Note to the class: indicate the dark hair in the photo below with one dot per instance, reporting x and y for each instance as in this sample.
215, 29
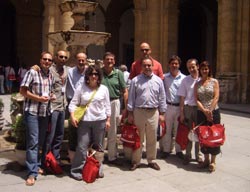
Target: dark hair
88, 72
193, 59
206, 64
108, 54
173, 58
147, 58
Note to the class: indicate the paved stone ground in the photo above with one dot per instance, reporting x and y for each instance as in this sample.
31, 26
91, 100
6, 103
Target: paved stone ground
232, 173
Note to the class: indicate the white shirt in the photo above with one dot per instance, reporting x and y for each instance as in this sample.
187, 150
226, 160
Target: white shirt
186, 90
98, 109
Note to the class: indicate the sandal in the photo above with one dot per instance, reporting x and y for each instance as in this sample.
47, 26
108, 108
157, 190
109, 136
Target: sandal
212, 167
204, 164
30, 181
41, 171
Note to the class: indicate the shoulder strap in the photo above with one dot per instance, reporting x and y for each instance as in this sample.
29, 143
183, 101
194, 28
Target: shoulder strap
91, 98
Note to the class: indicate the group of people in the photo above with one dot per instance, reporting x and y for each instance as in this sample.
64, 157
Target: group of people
8, 76
149, 97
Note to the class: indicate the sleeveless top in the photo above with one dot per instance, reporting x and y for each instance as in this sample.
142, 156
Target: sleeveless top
205, 93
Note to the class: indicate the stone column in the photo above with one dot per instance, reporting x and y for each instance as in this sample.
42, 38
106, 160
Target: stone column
226, 51
49, 23
243, 49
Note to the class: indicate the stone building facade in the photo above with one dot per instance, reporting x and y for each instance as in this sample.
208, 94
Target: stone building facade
214, 30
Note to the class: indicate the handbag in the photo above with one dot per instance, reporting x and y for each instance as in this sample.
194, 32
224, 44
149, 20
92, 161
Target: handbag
130, 136
182, 135
11, 76
90, 170
211, 136
161, 130
52, 165
80, 110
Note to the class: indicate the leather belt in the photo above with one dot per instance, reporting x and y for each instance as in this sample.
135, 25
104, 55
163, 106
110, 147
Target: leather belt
173, 104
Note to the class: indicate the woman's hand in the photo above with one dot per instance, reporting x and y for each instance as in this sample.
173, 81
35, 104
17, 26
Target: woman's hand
107, 124
73, 120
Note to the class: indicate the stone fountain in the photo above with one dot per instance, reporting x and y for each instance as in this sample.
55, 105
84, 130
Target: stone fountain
79, 37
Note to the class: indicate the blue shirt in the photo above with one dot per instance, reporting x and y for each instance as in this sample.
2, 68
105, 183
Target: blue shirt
146, 92
171, 85
73, 81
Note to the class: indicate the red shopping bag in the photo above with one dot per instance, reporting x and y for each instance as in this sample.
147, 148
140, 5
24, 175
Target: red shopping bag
211, 136
52, 165
90, 170
130, 136
161, 130
182, 135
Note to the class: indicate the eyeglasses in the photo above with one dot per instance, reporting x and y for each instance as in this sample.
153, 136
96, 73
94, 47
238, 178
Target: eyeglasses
142, 50
46, 59
94, 73
61, 57
147, 65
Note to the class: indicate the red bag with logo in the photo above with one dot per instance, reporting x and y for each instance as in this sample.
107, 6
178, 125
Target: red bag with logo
130, 136
52, 165
182, 135
161, 130
211, 136
90, 170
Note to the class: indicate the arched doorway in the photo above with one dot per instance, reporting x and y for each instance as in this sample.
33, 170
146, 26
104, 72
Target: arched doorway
197, 31
8, 34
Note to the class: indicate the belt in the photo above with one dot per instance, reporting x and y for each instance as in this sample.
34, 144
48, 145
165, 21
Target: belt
191, 105
173, 104
111, 99
147, 108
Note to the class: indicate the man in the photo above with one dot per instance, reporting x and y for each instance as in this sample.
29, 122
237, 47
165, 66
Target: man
136, 65
146, 107
76, 75
172, 81
36, 87
74, 79
114, 80
58, 106
188, 106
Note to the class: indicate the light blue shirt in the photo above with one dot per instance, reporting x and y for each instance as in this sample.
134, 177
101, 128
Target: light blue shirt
146, 92
171, 85
74, 80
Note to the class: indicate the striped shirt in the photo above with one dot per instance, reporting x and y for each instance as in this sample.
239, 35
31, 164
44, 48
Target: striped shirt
40, 84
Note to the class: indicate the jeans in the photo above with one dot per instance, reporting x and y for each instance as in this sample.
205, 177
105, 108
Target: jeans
36, 128
55, 136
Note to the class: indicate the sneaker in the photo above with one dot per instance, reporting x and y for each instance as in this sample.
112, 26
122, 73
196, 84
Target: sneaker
154, 166
180, 155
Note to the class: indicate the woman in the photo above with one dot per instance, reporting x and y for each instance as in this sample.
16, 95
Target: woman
91, 128
207, 96
9, 82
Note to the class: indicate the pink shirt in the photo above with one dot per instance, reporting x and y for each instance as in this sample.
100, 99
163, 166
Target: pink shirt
136, 69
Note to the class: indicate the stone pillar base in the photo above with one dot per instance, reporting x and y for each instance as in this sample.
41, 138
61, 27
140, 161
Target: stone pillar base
229, 87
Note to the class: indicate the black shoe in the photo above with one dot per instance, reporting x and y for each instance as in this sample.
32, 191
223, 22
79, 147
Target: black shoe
115, 162
154, 166
165, 155
180, 155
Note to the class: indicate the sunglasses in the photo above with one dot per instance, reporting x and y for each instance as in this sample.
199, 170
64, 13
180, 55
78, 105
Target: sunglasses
46, 59
94, 73
144, 50
61, 57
